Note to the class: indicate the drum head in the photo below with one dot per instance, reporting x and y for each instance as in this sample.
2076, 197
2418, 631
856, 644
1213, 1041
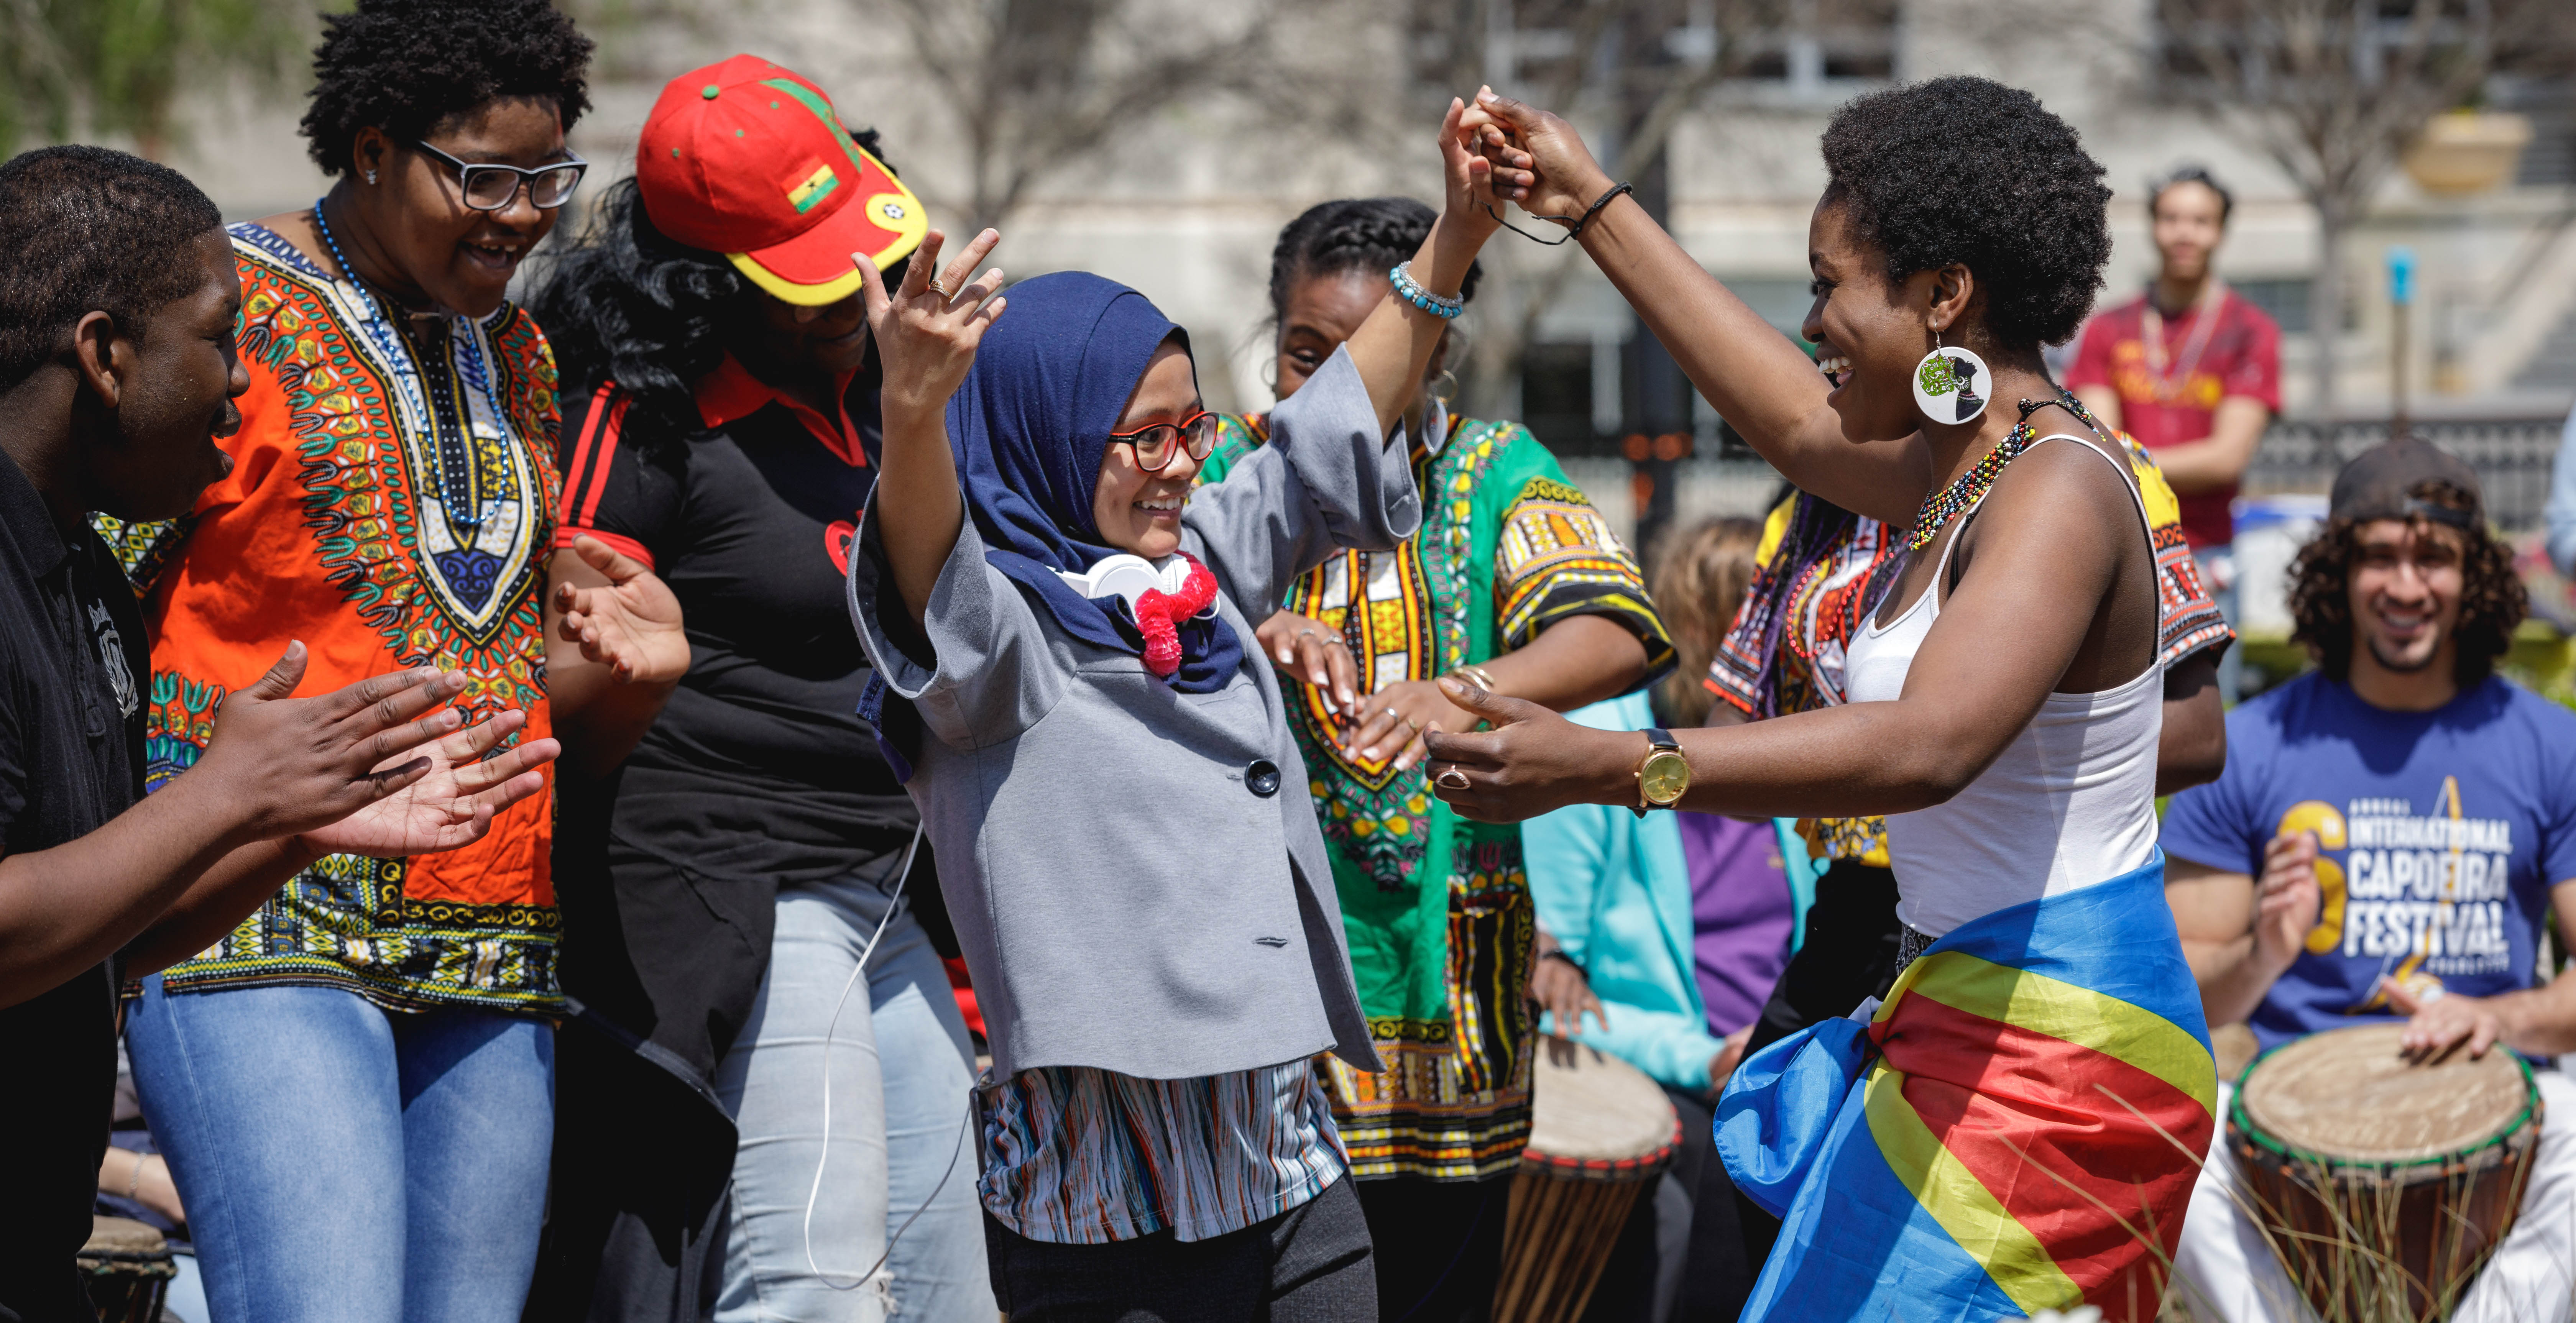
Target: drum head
2349, 1096
1591, 1110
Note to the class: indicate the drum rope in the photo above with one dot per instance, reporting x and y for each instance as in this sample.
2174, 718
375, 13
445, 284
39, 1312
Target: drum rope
894, 902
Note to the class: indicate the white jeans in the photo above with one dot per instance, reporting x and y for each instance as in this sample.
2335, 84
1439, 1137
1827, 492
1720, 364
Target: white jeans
902, 1075
2230, 1275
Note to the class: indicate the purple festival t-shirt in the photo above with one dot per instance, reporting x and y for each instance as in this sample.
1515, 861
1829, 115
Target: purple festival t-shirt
1740, 915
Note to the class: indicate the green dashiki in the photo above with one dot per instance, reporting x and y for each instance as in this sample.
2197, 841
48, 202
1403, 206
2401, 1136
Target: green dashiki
1437, 908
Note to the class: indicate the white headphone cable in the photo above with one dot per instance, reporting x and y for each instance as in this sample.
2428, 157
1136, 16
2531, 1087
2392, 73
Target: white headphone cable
903, 875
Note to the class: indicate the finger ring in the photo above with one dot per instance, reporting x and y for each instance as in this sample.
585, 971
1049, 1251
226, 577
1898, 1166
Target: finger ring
1413, 725
941, 290
1393, 713
1444, 782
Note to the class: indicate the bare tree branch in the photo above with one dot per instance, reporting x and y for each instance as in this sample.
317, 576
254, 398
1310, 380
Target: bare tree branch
2333, 91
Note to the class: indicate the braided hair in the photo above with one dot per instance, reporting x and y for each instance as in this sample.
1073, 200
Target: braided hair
1351, 234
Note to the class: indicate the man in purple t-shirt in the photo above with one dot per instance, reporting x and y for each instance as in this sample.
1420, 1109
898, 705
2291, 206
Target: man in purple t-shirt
2388, 834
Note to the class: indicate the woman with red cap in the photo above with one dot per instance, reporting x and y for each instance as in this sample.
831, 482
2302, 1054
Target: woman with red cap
757, 998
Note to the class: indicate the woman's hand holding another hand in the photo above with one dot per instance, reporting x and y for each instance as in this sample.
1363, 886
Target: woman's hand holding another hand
926, 334
1532, 761
1533, 158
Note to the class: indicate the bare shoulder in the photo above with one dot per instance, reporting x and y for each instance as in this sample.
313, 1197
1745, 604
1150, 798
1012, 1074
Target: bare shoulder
2058, 496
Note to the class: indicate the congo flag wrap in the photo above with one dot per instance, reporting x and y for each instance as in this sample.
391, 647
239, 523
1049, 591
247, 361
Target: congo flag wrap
2016, 1129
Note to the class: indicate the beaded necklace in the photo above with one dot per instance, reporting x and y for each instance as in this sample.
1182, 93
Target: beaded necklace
464, 512
1970, 487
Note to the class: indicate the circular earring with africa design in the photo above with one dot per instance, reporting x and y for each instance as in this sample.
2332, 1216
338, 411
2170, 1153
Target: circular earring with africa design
1949, 383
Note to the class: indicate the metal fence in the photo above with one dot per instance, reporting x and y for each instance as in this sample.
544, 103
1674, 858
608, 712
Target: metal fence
2512, 458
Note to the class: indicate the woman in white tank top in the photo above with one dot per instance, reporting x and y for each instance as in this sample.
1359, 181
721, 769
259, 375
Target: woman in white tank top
2018, 1125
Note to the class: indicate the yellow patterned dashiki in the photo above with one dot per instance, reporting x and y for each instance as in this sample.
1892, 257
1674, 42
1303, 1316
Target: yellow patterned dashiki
1436, 908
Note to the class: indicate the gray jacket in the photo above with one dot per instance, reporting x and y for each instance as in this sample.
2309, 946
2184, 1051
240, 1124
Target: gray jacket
1135, 873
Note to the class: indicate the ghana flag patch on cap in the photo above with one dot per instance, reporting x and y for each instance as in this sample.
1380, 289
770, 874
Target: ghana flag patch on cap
749, 159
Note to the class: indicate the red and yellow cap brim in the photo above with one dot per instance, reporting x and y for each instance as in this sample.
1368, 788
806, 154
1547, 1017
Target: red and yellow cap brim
874, 216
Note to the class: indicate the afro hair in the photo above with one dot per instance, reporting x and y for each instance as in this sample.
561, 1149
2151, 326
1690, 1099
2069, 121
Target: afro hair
1970, 171
404, 66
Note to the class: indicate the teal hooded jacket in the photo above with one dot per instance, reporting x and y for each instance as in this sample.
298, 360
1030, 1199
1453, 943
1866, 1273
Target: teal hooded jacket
1614, 890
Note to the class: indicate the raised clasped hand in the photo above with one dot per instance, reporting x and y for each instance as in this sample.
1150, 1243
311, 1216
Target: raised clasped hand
631, 624
927, 328
1532, 158
291, 766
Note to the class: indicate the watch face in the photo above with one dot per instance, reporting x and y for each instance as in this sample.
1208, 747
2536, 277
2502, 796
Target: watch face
1664, 777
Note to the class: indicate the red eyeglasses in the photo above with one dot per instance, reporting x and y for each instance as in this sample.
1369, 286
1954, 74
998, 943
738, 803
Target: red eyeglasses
1157, 445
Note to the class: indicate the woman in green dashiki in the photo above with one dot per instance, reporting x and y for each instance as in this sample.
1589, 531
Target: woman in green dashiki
1514, 576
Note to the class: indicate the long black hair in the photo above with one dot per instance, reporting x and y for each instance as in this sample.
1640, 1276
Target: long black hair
629, 304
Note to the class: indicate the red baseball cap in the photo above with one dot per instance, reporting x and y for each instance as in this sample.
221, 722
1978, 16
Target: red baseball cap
748, 159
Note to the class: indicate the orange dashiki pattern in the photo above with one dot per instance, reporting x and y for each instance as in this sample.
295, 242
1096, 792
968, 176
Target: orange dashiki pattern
391, 505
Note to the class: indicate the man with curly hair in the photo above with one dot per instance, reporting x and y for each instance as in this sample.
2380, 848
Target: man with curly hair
2309, 882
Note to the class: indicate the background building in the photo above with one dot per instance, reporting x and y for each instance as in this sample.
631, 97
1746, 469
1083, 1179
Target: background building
1163, 142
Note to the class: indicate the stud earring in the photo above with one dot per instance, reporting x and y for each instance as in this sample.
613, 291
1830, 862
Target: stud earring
1946, 383
371, 176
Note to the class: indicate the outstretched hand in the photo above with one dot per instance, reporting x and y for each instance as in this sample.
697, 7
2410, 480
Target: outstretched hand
926, 334
631, 625
453, 804
1532, 761
1533, 158
289, 765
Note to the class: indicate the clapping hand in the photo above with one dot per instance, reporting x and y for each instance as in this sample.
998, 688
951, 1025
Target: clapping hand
286, 766
454, 803
631, 624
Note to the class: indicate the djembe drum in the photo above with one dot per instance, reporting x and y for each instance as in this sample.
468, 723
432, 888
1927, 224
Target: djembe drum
1599, 1135
2383, 1184
127, 1267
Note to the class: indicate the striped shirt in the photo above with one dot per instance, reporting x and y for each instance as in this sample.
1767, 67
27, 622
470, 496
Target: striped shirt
1077, 1155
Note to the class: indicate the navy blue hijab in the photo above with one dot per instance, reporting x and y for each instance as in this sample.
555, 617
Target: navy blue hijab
1030, 424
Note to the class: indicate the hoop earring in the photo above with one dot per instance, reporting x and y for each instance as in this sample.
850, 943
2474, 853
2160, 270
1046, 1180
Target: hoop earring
1445, 396
1946, 383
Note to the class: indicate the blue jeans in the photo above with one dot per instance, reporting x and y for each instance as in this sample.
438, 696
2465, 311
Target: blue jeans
902, 1074
344, 1164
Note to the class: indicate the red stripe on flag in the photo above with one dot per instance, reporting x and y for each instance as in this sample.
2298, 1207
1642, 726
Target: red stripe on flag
2027, 1115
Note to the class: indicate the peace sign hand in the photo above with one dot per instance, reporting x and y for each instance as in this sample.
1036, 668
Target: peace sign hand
926, 331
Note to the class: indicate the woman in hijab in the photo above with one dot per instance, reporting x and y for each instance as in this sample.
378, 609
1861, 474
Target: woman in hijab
1099, 759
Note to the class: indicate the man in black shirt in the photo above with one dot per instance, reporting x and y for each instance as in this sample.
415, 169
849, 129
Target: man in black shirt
117, 372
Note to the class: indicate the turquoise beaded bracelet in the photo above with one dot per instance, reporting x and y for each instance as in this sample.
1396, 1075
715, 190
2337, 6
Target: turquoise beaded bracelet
1401, 276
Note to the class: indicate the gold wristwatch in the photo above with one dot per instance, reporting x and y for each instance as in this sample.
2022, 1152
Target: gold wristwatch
1663, 776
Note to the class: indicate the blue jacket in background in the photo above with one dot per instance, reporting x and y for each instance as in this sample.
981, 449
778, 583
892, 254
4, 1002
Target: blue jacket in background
1614, 890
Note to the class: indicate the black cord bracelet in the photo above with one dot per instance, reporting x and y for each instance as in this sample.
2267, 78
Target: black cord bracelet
1574, 229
